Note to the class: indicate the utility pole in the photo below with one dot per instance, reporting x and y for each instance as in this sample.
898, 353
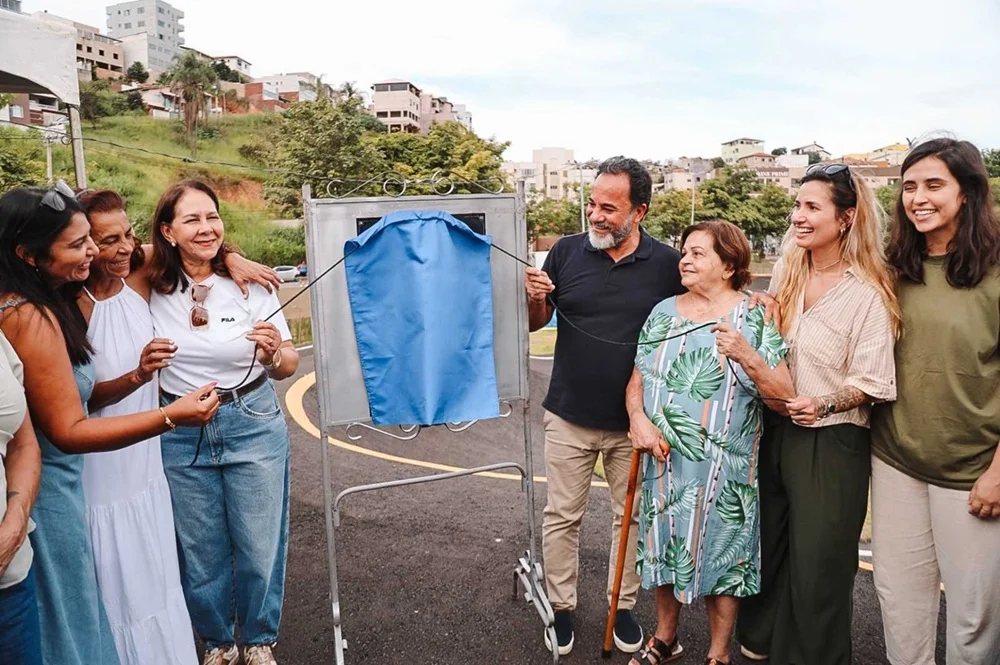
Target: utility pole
583, 211
48, 160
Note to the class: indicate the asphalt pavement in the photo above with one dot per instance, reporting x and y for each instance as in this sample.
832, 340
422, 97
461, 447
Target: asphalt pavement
425, 571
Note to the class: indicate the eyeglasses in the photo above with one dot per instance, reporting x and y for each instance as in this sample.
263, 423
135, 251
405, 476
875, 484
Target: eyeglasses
54, 197
199, 315
832, 170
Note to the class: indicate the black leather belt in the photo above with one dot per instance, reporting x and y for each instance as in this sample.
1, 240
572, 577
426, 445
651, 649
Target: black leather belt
228, 396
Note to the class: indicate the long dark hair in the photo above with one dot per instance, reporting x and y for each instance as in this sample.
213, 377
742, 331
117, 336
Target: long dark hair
167, 269
105, 201
26, 222
975, 249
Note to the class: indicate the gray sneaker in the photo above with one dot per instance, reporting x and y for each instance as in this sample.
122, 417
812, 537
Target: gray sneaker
222, 656
258, 655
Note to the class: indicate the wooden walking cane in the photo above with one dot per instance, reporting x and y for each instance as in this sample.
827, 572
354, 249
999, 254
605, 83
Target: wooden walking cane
633, 476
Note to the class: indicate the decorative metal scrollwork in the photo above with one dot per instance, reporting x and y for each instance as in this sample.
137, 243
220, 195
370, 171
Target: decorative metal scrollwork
441, 183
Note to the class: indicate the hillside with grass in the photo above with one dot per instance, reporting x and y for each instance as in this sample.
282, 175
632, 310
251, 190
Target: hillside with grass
141, 177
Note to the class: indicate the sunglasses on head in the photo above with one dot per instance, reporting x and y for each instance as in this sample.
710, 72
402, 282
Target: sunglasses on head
54, 198
199, 314
832, 170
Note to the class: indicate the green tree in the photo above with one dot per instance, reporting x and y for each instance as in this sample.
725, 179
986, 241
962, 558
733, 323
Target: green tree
97, 100
21, 159
992, 158
136, 73
774, 206
814, 157
350, 90
225, 73
316, 142
777, 152
193, 79
670, 213
887, 197
552, 217
449, 148
718, 163
324, 93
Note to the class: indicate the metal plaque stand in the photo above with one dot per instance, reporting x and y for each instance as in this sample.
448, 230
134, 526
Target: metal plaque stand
323, 250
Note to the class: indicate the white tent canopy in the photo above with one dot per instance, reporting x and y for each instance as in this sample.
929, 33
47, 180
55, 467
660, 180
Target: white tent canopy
38, 56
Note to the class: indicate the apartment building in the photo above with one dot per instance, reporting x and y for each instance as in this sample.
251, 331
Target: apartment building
11, 5
150, 31
398, 104
757, 160
733, 150
294, 86
97, 56
403, 107
237, 64
775, 175
812, 148
879, 176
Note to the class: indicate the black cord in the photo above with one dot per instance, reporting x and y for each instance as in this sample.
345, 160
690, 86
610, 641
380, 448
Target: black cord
562, 317
253, 360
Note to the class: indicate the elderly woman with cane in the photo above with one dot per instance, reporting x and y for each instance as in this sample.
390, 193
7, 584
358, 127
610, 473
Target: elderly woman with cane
704, 361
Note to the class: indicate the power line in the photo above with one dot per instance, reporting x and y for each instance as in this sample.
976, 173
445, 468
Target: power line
390, 177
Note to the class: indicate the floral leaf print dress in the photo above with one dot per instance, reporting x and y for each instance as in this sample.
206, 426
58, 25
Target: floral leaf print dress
698, 513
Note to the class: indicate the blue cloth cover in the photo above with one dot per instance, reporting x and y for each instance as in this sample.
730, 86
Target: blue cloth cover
421, 297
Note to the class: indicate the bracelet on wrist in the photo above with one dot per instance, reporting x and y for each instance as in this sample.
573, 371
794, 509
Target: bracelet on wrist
275, 361
166, 419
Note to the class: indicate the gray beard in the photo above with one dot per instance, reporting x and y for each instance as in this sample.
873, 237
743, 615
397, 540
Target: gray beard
615, 238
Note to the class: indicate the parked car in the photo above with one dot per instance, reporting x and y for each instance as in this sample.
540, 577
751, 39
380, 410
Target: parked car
287, 273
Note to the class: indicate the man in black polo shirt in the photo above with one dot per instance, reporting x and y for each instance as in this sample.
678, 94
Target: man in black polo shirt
605, 282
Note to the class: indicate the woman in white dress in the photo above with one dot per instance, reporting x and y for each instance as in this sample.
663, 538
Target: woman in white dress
129, 511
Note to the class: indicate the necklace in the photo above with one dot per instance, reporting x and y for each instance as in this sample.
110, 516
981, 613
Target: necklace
828, 265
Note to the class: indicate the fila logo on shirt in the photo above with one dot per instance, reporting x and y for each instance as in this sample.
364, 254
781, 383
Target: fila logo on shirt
228, 319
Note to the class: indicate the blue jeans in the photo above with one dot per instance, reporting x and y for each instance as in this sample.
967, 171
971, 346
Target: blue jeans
20, 634
231, 517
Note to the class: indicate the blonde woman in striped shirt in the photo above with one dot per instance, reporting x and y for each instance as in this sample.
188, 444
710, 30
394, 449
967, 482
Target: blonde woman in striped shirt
840, 317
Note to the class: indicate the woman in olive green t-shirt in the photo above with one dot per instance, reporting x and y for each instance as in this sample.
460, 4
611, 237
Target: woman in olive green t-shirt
936, 466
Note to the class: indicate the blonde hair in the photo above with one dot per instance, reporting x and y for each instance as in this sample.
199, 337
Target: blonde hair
861, 247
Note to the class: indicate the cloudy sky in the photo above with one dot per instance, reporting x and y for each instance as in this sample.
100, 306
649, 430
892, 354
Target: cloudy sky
647, 78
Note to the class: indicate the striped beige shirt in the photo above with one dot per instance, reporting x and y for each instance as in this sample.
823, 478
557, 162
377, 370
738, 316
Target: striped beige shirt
844, 339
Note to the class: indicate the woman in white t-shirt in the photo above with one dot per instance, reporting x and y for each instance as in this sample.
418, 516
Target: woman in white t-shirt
229, 481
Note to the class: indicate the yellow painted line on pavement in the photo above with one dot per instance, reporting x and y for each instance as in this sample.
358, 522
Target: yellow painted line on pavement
293, 400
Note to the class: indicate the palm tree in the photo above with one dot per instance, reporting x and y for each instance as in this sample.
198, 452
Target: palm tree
193, 79
323, 90
350, 90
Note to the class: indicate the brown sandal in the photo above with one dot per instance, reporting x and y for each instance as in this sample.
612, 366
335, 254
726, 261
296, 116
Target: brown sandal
658, 652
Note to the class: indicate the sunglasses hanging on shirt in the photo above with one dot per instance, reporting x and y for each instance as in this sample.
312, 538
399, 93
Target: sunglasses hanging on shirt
199, 314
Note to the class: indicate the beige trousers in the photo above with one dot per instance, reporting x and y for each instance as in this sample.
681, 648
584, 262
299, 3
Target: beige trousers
922, 535
570, 456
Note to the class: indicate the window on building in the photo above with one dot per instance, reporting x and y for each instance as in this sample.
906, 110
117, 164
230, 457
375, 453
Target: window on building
141, 10
159, 10
79, 47
161, 36
141, 24
16, 111
115, 56
398, 87
159, 23
100, 52
90, 49
382, 114
395, 114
